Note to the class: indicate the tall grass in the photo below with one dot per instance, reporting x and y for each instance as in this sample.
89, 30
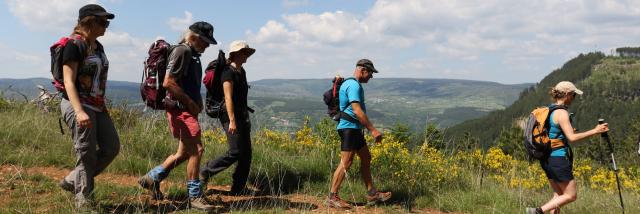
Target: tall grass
283, 163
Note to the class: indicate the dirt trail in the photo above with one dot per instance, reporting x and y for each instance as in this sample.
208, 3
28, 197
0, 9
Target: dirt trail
293, 203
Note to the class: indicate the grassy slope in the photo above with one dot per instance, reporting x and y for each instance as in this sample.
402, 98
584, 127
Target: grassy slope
31, 138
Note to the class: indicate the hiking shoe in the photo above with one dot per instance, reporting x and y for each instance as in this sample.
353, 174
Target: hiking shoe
66, 186
533, 210
337, 202
378, 197
201, 203
151, 185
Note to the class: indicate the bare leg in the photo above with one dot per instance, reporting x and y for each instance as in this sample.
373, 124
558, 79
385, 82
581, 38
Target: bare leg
365, 167
567, 194
346, 158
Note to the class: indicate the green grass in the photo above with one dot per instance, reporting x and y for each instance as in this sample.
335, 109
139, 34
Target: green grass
31, 138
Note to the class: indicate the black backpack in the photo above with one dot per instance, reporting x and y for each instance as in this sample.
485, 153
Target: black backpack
57, 50
214, 101
331, 99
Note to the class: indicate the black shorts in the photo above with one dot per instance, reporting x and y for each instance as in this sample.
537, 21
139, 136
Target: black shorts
352, 139
559, 169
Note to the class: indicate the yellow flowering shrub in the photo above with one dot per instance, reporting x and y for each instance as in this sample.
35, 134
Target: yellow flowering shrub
605, 179
389, 156
582, 169
215, 136
497, 161
426, 167
532, 178
436, 165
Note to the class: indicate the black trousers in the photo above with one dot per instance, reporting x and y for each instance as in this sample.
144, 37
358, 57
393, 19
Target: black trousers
239, 151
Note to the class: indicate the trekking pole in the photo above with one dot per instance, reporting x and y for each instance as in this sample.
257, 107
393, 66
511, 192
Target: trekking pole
605, 135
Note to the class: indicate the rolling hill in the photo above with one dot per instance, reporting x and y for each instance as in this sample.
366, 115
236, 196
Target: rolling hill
283, 103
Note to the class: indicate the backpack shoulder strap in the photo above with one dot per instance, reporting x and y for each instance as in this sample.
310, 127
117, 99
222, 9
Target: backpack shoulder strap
554, 142
344, 115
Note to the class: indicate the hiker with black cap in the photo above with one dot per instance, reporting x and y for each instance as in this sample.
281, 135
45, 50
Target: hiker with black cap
84, 72
350, 129
235, 120
558, 166
183, 104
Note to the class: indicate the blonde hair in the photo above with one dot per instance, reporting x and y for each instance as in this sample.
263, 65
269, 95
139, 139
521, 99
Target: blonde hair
187, 36
557, 94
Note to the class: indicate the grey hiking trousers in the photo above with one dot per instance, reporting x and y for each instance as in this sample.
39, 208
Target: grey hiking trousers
95, 148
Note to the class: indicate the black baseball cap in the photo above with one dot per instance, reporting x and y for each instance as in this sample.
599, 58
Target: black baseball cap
367, 64
94, 10
204, 31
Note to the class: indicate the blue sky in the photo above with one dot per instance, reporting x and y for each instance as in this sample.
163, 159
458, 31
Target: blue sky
504, 41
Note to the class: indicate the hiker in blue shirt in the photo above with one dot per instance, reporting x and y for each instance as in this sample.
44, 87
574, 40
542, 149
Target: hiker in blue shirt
558, 167
350, 128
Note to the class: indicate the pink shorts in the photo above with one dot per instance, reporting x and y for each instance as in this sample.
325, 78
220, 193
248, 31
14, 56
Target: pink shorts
183, 125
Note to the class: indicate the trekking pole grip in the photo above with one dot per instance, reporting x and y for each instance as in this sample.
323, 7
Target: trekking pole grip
605, 135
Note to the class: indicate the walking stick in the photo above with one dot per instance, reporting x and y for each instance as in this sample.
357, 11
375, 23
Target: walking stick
605, 135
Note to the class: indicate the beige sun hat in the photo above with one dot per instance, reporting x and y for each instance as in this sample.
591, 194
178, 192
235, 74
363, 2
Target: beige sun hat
566, 86
240, 45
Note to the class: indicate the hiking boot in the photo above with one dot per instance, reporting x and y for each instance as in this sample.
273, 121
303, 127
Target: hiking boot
533, 210
378, 197
151, 185
66, 186
337, 202
201, 203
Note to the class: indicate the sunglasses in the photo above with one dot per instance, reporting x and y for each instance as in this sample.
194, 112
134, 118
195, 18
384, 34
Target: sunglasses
103, 23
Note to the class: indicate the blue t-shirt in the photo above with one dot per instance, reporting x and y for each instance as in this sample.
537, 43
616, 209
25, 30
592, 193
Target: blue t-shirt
350, 91
555, 132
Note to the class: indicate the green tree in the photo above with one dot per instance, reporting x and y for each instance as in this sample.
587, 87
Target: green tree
432, 136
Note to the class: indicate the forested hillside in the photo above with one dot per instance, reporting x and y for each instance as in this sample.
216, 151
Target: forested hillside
611, 88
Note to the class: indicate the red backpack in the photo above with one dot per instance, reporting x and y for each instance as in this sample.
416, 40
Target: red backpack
155, 66
57, 52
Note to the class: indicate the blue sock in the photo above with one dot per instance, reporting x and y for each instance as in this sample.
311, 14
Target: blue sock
193, 186
158, 173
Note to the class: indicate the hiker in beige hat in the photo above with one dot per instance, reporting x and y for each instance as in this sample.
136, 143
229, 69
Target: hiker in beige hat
558, 167
235, 122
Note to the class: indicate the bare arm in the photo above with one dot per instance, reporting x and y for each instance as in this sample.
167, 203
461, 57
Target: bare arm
361, 116
227, 86
69, 73
561, 117
364, 120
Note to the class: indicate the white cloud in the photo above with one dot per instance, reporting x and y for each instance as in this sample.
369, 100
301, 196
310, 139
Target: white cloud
47, 15
32, 64
500, 40
126, 54
180, 24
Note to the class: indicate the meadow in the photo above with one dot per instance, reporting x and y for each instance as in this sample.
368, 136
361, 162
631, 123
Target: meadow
289, 165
